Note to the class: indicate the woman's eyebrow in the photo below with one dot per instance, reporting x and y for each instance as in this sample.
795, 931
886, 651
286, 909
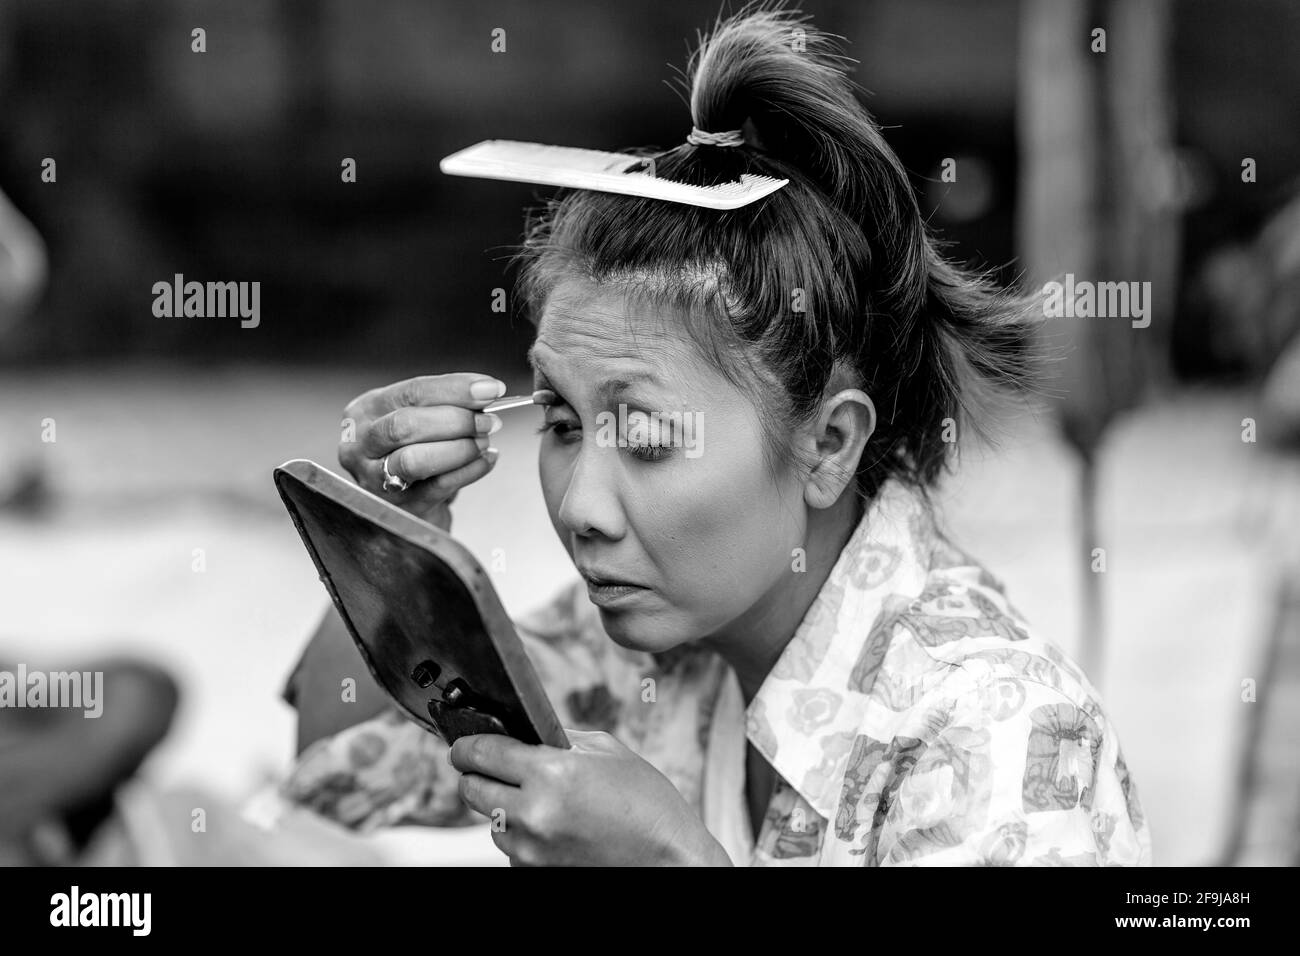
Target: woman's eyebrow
608, 390
614, 387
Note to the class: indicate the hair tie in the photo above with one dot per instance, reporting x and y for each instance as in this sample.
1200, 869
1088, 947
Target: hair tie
732, 137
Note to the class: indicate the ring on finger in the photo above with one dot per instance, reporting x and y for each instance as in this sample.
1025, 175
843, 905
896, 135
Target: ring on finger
393, 482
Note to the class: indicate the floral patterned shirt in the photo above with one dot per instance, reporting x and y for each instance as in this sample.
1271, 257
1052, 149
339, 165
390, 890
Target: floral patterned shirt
914, 718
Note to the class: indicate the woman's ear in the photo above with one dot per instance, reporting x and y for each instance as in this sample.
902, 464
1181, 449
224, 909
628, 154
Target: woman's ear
835, 443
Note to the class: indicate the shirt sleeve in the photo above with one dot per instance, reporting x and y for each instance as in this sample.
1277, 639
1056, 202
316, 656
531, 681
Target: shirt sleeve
1011, 772
388, 770
384, 771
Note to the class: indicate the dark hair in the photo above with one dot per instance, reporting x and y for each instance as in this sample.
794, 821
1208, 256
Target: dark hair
882, 309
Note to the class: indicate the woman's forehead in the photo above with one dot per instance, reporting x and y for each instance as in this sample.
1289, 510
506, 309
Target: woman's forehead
606, 323
610, 366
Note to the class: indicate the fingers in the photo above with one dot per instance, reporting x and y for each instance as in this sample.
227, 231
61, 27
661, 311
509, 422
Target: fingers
497, 756
436, 460
431, 430
489, 797
435, 470
592, 741
442, 489
446, 485
410, 426
468, 389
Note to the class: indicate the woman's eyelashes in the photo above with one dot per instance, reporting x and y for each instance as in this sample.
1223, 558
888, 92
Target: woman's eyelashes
648, 452
648, 437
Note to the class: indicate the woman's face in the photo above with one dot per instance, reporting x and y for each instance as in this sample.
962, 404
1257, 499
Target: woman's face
688, 515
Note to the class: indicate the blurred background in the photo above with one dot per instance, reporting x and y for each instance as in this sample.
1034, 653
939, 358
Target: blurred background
1145, 517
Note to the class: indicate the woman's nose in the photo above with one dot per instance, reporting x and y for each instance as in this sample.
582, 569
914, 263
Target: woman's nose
591, 504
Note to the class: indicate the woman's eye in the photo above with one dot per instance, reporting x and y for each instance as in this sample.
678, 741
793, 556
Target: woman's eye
562, 428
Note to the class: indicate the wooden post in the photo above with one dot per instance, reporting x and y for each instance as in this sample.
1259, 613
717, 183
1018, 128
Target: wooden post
1098, 200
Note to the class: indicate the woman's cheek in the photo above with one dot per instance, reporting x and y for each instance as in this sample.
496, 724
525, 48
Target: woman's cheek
706, 531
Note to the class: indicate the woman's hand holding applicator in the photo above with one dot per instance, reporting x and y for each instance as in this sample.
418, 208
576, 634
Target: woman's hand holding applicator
419, 441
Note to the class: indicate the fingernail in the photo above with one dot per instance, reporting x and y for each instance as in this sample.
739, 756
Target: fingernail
487, 423
491, 455
481, 441
487, 388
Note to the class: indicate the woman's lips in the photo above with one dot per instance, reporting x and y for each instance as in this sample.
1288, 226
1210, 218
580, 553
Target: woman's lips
604, 593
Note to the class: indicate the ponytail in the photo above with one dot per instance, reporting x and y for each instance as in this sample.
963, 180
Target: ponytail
834, 275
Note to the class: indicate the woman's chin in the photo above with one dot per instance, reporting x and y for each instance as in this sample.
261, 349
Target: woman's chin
640, 632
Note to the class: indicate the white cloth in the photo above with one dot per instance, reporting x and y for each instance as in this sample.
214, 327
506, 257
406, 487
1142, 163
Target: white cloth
726, 811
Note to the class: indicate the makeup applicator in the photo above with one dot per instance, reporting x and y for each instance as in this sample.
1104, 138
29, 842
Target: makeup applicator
543, 396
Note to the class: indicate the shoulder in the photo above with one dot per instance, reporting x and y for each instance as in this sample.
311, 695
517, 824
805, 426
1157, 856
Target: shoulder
960, 652
986, 742
962, 631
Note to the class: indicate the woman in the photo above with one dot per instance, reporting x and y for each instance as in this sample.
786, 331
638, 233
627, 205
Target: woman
776, 655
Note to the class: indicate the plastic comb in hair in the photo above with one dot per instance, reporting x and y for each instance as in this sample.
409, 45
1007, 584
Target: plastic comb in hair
600, 171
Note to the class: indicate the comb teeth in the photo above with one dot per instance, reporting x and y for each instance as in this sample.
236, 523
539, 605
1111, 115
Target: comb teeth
593, 169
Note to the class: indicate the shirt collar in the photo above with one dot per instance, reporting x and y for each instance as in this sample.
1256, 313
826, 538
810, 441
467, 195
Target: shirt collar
812, 704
